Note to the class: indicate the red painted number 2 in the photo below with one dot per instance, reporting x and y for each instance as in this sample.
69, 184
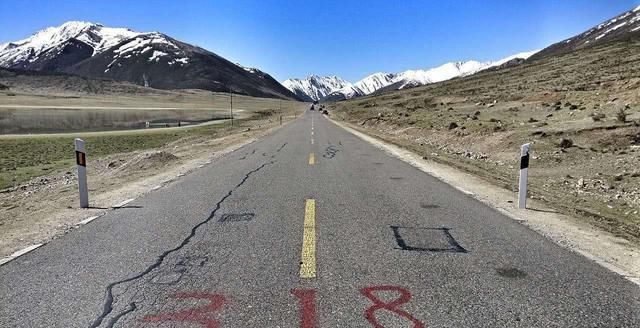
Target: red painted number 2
202, 315
378, 304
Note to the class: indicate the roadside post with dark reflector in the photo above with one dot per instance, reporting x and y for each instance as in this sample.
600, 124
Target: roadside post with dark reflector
81, 161
524, 167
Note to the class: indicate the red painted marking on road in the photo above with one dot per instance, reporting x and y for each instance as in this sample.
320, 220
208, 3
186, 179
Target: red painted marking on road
307, 301
392, 306
202, 315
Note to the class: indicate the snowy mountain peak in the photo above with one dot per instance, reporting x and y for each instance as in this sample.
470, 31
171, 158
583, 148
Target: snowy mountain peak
98, 37
411, 78
315, 87
618, 27
151, 59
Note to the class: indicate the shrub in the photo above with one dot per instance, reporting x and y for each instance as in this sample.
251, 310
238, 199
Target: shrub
597, 117
565, 143
621, 115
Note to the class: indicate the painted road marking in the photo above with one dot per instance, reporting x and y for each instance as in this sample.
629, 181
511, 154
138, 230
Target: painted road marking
312, 158
312, 141
122, 204
19, 253
308, 260
89, 219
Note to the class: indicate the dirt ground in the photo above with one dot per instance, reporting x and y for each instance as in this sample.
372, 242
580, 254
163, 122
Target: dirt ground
46, 207
580, 112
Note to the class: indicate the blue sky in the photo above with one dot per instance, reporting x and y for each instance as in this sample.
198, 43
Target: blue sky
347, 38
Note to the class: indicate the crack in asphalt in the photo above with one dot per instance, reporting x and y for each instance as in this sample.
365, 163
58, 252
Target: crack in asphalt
279, 149
108, 304
132, 307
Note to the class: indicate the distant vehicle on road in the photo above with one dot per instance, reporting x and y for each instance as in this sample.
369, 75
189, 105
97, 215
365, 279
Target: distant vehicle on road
312, 108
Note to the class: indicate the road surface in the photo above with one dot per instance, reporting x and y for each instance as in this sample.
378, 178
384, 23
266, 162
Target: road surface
310, 227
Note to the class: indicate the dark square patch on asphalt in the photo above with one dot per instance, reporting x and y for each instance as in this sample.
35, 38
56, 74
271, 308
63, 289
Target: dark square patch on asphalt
236, 217
426, 240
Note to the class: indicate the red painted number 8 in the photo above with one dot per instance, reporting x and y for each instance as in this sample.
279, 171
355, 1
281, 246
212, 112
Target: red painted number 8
378, 304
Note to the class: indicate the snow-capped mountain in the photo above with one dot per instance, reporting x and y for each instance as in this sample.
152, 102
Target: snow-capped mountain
315, 87
33, 52
150, 59
440, 73
411, 78
626, 25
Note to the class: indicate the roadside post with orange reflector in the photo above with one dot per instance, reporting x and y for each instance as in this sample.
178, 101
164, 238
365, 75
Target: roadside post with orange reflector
81, 161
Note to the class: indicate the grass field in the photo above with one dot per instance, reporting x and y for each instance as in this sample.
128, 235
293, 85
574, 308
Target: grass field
23, 157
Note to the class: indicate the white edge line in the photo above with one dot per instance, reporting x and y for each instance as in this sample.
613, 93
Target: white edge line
383, 145
19, 253
89, 219
25, 250
123, 203
155, 188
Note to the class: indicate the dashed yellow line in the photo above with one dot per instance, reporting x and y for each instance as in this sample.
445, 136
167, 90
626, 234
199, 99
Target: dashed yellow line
308, 260
312, 158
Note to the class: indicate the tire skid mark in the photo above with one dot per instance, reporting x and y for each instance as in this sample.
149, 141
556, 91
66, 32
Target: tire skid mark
109, 299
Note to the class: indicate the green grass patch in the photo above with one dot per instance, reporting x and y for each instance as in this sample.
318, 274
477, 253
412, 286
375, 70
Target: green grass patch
23, 158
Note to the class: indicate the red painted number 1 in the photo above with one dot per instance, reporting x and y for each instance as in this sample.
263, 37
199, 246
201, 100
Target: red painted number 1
307, 301
378, 304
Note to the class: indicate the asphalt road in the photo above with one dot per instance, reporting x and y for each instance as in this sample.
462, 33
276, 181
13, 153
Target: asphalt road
310, 227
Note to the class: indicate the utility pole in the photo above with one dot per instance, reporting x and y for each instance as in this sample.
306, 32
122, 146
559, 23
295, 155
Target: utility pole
231, 99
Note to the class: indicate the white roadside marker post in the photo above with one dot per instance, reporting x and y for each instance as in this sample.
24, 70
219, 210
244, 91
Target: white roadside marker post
524, 167
81, 161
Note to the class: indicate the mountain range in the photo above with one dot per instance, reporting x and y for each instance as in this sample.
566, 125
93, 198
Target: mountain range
625, 25
159, 61
333, 88
149, 59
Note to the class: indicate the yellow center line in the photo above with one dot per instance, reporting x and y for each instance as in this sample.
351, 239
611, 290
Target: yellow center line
308, 265
312, 158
